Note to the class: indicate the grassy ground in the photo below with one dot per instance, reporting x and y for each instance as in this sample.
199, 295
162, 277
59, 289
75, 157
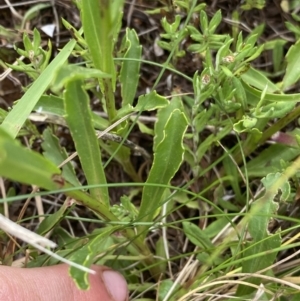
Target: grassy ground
189, 186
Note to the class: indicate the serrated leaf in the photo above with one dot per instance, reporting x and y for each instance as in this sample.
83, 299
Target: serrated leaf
272, 179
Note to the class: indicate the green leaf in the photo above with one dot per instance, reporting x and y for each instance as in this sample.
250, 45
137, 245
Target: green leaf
23, 165
258, 80
273, 97
273, 110
50, 104
213, 229
168, 156
250, 4
222, 52
52, 220
164, 288
18, 115
129, 74
160, 252
65, 239
292, 73
151, 101
197, 236
85, 256
239, 94
54, 152
79, 120
268, 160
97, 25
214, 22
261, 214
73, 72
203, 21
245, 124
55, 105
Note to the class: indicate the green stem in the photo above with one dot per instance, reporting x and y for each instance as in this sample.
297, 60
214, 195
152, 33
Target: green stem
98, 31
109, 99
103, 211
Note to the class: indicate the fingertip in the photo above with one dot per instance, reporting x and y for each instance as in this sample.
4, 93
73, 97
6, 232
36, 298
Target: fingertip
115, 285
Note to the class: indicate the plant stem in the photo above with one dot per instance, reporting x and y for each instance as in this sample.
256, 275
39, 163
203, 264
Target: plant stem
103, 211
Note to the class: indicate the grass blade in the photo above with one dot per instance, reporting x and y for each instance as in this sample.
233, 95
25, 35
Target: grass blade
18, 115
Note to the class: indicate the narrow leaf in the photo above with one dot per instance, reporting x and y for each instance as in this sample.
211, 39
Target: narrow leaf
168, 156
55, 106
79, 120
292, 74
52, 220
54, 152
18, 115
258, 80
129, 74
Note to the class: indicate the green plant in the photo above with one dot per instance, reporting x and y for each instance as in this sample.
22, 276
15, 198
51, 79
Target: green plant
231, 99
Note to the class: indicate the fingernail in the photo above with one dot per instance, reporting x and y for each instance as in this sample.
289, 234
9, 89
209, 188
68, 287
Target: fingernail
115, 285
